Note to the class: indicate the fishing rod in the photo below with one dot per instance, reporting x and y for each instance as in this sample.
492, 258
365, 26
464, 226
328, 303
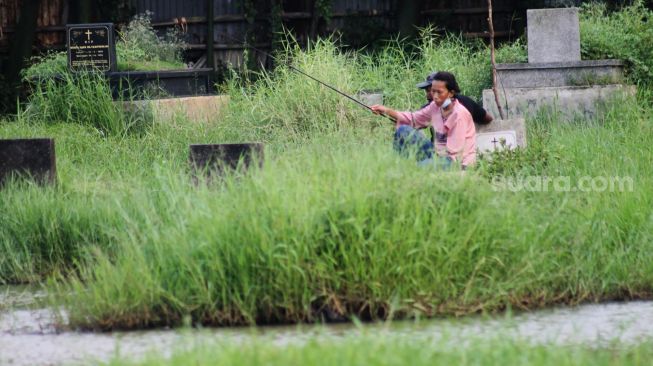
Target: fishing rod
313, 78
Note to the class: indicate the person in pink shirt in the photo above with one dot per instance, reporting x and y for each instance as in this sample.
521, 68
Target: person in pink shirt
455, 132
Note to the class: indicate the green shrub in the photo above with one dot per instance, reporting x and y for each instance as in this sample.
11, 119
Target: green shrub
625, 34
51, 65
139, 47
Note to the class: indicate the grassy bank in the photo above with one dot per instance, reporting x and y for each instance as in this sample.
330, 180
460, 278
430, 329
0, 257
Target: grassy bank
336, 224
384, 350
351, 229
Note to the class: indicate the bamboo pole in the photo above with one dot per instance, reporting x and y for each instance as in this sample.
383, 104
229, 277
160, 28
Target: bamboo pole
493, 60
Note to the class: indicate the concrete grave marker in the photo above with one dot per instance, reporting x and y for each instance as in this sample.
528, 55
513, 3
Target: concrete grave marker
553, 35
34, 158
91, 47
370, 97
555, 78
219, 158
493, 141
512, 130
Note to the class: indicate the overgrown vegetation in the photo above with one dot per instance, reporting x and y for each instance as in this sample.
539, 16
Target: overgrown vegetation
336, 225
626, 34
57, 95
85, 99
140, 48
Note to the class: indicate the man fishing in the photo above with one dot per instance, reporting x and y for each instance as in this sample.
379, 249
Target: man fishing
480, 116
452, 123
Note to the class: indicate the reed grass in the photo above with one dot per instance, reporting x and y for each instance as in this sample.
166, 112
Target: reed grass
332, 230
85, 99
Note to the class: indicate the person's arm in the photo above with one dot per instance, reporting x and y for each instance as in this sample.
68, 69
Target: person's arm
418, 119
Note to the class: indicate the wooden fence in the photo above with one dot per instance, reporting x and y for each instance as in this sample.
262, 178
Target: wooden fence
230, 22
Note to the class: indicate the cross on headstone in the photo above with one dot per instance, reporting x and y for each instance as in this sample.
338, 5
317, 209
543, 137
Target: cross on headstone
494, 142
97, 52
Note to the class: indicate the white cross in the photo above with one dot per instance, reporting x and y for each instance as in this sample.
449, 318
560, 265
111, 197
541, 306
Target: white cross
88, 34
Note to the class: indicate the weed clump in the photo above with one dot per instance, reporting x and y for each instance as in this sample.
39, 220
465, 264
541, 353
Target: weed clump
83, 98
625, 34
141, 48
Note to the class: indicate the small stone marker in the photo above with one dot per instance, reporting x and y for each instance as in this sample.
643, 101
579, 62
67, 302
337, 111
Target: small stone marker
371, 97
553, 35
500, 140
219, 158
33, 158
91, 47
511, 131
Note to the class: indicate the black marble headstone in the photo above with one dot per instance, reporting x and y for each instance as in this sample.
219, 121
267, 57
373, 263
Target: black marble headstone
28, 158
91, 47
219, 158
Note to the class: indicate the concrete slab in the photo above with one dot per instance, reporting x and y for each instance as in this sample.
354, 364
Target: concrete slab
501, 128
553, 35
569, 102
199, 109
370, 97
577, 73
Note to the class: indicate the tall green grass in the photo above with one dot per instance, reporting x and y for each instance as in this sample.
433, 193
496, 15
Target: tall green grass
336, 224
343, 226
85, 99
626, 34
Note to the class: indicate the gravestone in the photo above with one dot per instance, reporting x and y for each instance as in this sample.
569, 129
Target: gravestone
370, 97
91, 47
28, 158
500, 140
556, 79
553, 35
501, 134
219, 158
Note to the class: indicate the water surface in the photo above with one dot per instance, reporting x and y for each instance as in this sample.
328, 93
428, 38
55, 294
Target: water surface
28, 335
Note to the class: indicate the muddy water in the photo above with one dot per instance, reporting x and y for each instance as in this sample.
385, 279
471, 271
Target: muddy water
28, 335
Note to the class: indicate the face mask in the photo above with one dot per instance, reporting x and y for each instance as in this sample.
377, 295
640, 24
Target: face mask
446, 103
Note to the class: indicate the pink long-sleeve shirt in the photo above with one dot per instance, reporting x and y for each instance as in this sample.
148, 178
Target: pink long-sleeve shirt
455, 136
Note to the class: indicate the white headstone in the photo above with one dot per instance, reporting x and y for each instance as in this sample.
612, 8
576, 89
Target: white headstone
370, 98
499, 140
498, 127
